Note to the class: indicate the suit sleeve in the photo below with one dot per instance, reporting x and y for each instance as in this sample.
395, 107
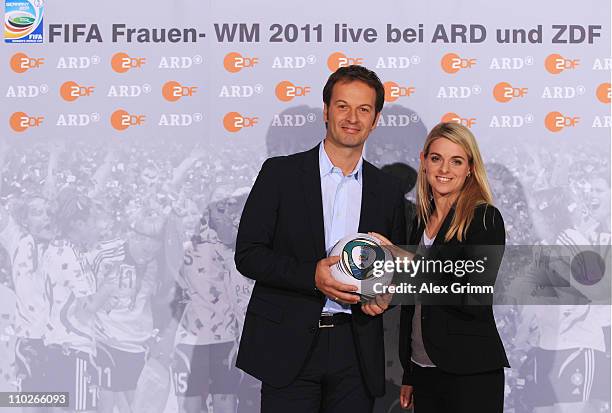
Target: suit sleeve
255, 257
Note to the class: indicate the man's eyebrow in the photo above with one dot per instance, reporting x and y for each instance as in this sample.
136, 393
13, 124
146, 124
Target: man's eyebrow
344, 101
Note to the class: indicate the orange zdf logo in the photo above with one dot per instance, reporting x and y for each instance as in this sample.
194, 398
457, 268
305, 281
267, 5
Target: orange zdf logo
604, 93
122, 62
71, 91
234, 122
234, 62
504, 92
452, 63
339, 59
21, 62
285, 91
393, 91
555, 63
121, 120
173, 91
20, 121
453, 117
556, 121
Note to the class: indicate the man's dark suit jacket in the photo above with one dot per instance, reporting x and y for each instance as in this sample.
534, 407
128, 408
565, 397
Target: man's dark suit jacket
280, 240
460, 339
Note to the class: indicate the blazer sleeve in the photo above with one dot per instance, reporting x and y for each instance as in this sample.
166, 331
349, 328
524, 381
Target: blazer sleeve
255, 257
485, 241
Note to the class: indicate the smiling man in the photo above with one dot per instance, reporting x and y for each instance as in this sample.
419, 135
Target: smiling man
306, 337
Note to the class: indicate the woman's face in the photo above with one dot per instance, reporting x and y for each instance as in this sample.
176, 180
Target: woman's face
446, 167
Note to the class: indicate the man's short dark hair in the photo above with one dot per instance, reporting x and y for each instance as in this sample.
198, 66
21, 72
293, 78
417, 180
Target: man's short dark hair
351, 74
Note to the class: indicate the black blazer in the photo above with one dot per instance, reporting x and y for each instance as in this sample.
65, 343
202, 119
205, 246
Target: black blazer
280, 239
460, 339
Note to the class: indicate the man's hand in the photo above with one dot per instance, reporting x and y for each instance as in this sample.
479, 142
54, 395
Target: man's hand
377, 305
334, 290
406, 396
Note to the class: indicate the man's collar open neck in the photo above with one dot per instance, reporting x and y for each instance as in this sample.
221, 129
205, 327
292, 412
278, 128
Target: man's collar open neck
347, 159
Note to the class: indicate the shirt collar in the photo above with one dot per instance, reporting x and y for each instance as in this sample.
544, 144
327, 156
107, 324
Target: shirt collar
326, 166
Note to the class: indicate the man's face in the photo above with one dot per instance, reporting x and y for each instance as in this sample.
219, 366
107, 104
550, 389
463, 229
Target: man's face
350, 115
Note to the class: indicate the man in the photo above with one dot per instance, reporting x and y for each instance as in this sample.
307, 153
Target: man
305, 335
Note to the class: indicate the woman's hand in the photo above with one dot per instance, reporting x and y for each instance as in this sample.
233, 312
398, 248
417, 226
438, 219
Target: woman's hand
377, 305
406, 396
394, 249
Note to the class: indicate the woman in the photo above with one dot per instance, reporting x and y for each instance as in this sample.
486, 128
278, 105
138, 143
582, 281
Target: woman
452, 355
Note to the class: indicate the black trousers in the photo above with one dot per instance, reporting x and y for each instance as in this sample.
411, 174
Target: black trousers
329, 382
438, 392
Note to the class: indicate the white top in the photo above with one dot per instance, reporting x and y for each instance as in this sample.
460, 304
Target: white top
209, 316
125, 321
428, 242
28, 280
68, 277
419, 355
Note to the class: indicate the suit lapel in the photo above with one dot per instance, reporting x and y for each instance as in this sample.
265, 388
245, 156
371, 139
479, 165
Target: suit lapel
418, 235
369, 200
444, 227
313, 200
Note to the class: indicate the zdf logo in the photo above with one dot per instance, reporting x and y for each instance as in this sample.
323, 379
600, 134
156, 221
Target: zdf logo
234, 121
20, 62
604, 93
71, 91
338, 59
20, 121
393, 91
453, 117
555, 64
556, 121
503, 92
234, 62
173, 91
122, 62
121, 120
452, 63
286, 91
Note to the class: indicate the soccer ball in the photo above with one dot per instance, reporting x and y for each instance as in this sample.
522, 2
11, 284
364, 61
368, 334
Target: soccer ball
361, 263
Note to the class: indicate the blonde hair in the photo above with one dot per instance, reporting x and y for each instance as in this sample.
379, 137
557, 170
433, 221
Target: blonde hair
475, 189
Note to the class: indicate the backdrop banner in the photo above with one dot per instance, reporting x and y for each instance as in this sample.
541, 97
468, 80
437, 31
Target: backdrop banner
132, 132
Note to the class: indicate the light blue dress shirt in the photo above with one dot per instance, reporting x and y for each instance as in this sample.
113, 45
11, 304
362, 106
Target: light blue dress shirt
341, 197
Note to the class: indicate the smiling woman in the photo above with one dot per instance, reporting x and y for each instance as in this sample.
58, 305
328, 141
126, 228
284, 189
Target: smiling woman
452, 355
